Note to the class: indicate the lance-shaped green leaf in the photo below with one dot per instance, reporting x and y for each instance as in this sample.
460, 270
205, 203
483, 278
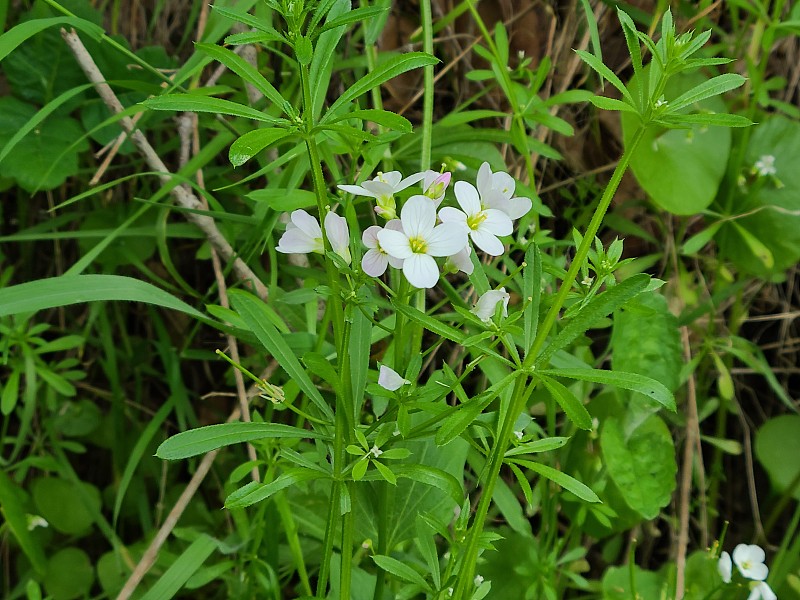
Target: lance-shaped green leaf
205, 439
181, 569
713, 87
248, 19
246, 71
196, 103
569, 483
253, 142
632, 40
572, 407
606, 73
251, 309
353, 16
12, 507
628, 381
543, 445
600, 306
256, 492
75, 289
401, 570
12, 38
381, 117
706, 118
384, 72
612, 104
532, 293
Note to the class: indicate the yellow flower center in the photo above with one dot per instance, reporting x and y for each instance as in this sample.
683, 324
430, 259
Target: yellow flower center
474, 221
418, 245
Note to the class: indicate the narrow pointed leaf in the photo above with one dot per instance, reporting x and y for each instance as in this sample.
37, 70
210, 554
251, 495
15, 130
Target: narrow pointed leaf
253, 142
713, 87
572, 407
628, 381
256, 492
605, 73
196, 103
567, 482
181, 569
400, 570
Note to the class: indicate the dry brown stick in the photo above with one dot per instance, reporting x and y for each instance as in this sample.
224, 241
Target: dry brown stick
689, 447
184, 198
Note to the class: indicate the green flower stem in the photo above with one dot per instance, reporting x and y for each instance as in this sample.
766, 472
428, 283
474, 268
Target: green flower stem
427, 98
343, 427
521, 392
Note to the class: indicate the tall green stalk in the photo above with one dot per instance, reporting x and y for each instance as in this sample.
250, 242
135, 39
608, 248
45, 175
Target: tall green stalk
522, 390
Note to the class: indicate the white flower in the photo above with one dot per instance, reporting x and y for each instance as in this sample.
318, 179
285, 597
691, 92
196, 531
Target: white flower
389, 379
519, 434
762, 591
376, 259
338, 235
375, 451
303, 235
460, 261
35, 521
478, 580
750, 561
483, 225
487, 303
725, 567
420, 240
435, 184
497, 191
383, 188
765, 165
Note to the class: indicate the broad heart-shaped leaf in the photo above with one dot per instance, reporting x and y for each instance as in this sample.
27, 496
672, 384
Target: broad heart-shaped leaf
208, 438
778, 451
771, 203
642, 465
393, 67
646, 340
70, 574
46, 157
253, 142
680, 169
627, 381
75, 289
208, 104
252, 309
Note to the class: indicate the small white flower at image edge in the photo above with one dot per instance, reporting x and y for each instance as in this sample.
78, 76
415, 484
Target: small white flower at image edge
749, 559
725, 567
389, 379
762, 591
485, 306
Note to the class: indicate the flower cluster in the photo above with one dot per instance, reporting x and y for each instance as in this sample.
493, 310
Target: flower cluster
749, 561
420, 235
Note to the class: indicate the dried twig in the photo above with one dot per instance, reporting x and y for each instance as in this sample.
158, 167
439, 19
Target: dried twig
184, 198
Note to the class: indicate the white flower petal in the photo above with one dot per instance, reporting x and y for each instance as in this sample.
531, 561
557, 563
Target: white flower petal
447, 239
421, 271
395, 225
370, 236
356, 190
378, 188
338, 235
453, 215
418, 216
462, 261
725, 567
468, 197
409, 181
374, 263
487, 303
306, 223
392, 178
503, 183
497, 222
294, 241
389, 379
394, 243
519, 207
487, 242
397, 263
762, 591
484, 181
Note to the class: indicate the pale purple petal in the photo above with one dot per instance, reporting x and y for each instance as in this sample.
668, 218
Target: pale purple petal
374, 263
487, 242
468, 197
447, 239
394, 243
397, 263
306, 223
497, 222
389, 379
418, 216
519, 207
370, 236
421, 271
394, 225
